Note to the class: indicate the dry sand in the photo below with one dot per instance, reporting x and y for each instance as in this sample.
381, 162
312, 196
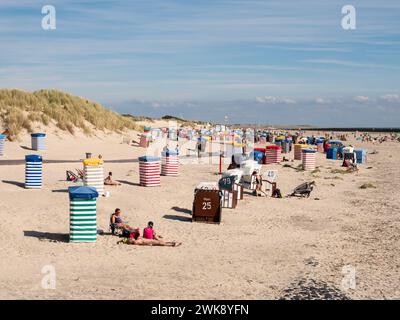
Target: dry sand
261, 249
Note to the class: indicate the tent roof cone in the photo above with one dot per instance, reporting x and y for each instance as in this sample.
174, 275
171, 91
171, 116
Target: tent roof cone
82, 192
33, 158
149, 159
93, 162
168, 153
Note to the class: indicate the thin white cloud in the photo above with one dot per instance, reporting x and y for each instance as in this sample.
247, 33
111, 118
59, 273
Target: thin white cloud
275, 100
352, 64
320, 100
391, 97
361, 98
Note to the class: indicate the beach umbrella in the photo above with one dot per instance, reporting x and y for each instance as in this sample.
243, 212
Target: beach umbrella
83, 214
33, 171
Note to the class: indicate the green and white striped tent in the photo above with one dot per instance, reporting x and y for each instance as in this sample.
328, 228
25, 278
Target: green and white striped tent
83, 214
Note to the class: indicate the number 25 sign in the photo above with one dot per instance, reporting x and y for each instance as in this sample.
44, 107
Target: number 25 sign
207, 205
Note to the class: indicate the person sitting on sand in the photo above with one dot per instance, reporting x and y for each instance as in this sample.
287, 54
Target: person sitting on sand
118, 221
149, 233
109, 181
149, 242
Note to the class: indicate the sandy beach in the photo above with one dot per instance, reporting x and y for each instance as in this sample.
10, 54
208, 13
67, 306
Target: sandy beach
264, 249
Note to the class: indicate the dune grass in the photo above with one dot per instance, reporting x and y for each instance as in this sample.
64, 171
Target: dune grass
19, 110
340, 171
367, 186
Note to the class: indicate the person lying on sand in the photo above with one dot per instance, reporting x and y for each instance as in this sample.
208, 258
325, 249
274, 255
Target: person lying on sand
149, 242
109, 181
118, 221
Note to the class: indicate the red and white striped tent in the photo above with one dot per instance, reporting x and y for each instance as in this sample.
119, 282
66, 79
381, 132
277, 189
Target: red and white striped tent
149, 171
170, 163
308, 159
273, 154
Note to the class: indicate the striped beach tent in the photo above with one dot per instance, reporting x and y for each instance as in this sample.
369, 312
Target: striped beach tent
170, 163
308, 159
2, 143
273, 154
149, 171
38, 141
33, 171
83, 214
298, 147
94, 174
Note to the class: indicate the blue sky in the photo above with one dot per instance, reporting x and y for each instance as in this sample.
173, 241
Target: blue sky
275, 62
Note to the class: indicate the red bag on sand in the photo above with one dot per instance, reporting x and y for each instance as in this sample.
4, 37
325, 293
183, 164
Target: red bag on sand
135, 234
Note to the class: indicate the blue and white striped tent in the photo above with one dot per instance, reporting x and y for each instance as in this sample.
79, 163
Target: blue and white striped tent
83, 214
38, 141
33, 171
2, 143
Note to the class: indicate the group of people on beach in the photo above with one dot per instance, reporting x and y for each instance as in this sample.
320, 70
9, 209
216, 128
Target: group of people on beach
132, 235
